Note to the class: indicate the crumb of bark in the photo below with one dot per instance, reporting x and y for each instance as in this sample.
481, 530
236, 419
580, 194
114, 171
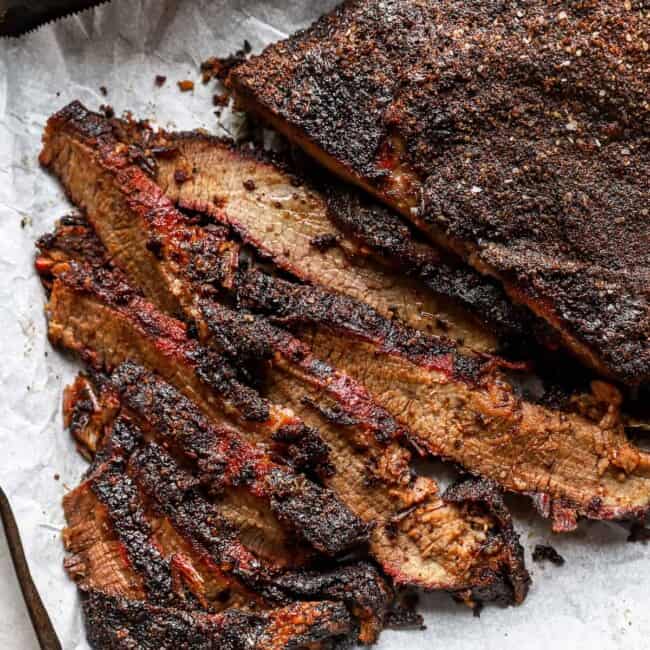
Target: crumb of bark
219, 67
639, 533
220, 99
249, 184
108, 111
181, 176
324, 242
160, 80
543, 552
403, 615
103, 90
185, 85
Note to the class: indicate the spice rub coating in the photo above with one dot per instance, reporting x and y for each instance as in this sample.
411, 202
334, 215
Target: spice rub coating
515, 135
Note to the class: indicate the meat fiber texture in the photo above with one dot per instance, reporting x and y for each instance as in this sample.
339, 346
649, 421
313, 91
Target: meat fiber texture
597, 599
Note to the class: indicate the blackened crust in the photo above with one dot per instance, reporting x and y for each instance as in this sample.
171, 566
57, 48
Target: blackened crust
117, 623
529, 159
294, 304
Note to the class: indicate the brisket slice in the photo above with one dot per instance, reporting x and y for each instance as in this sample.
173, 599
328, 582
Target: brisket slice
327, 236
157, 509
93, 312
114, 623
528, 159
416, 538
464, 408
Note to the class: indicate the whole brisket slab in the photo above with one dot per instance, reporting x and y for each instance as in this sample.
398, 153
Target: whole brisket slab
515, 135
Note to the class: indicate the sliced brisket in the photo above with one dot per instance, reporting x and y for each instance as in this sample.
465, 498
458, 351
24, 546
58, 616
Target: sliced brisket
416, 538
464, 408
95, 313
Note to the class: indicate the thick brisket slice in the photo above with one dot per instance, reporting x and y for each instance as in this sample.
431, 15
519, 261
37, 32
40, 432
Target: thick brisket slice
97, 558
122, 624
289, 220
465, 409
247, 514
528, 159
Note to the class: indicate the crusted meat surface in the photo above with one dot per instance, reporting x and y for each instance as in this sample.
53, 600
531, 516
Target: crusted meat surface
514, 135
464, 408
122, 624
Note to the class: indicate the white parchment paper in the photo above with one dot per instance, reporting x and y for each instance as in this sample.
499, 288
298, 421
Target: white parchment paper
597, 600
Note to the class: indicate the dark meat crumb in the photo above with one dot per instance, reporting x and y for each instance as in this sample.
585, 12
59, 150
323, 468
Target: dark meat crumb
181, 176
403, 614
56, 477
103, 90
160, 80
220, 99
219, 67
108, 111
249, 184
324, 242
543, 552
185, 85
638, 533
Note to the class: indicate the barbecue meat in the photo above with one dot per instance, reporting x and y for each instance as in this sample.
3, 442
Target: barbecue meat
529, 159
123, 624
463, 407
417, 538
432, 561
177, 540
